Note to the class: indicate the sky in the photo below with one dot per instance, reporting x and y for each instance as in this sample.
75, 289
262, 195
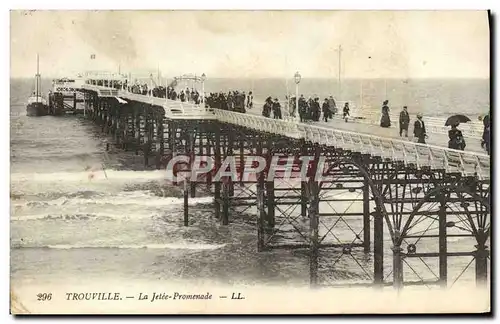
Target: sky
375, 44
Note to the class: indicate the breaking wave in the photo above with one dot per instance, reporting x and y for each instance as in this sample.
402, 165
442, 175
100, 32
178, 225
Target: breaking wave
93, 174
171, 246
121, 199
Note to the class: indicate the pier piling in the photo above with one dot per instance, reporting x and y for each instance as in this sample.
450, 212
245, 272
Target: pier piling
366, 216
443, 246
186, 202
397, 194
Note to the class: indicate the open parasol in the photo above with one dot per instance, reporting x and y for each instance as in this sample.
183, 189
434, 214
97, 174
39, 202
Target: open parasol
456, 119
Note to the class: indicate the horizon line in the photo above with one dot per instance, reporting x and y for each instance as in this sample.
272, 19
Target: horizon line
303, 78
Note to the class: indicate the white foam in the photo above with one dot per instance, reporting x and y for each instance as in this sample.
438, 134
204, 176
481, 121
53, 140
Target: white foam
140, 198
171, 246
92, 175
67, 216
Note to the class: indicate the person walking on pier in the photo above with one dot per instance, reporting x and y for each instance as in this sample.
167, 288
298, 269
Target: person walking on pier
385, 121
244, 97
250, 100
302, 108
292, 106
326, 110
346, 111
309, 114
404, 122
266, 109
485, 143
457, 140
316, 113
276, 109
332, 105
419, 129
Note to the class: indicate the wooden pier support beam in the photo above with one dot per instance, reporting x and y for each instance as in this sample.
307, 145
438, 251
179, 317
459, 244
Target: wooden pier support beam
378, 247
137, 116
366, 216
303, 185
313, 191
217, 183
261, 210
397, 263
270, 205
230, 152
148, 137
186, 203
225, 201
443, 247
103, 116
241, 143
190, 149
313, 231
481, 260
208, 151
160, 140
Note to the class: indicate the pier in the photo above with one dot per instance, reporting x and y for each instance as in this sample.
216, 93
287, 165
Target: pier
378, 193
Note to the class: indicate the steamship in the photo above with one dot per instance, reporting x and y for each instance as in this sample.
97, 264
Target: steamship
37, 105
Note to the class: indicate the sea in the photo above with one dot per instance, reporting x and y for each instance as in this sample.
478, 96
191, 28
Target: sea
82, 215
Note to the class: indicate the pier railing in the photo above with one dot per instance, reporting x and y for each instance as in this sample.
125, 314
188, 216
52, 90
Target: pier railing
466, 163
101, 91
434, 125
173, 108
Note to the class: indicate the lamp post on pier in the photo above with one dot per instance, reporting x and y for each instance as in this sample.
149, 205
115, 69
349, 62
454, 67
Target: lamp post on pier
203, 78
297, 78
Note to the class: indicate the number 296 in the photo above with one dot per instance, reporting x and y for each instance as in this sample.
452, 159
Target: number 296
44, 296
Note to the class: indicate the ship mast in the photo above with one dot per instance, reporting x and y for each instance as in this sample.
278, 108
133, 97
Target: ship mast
37, 77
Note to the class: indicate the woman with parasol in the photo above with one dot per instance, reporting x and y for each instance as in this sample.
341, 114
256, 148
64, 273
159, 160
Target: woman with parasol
455, 135
266, 109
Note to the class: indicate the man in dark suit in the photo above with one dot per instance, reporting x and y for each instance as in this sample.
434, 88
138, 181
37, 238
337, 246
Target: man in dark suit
419, 129
486, 133
404, 121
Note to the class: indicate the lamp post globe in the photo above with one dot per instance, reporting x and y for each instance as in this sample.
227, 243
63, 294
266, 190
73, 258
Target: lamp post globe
297, 77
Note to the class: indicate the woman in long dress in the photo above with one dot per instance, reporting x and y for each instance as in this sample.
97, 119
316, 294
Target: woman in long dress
456, 137
385, 121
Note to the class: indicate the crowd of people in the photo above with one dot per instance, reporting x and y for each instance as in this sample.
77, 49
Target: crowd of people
187, 95
308, 110
236, 100
456, 138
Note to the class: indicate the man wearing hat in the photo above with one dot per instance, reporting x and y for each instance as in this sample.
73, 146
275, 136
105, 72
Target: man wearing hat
315, 108
326, 110
276, 109
404, 121
419, 129
346, 111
